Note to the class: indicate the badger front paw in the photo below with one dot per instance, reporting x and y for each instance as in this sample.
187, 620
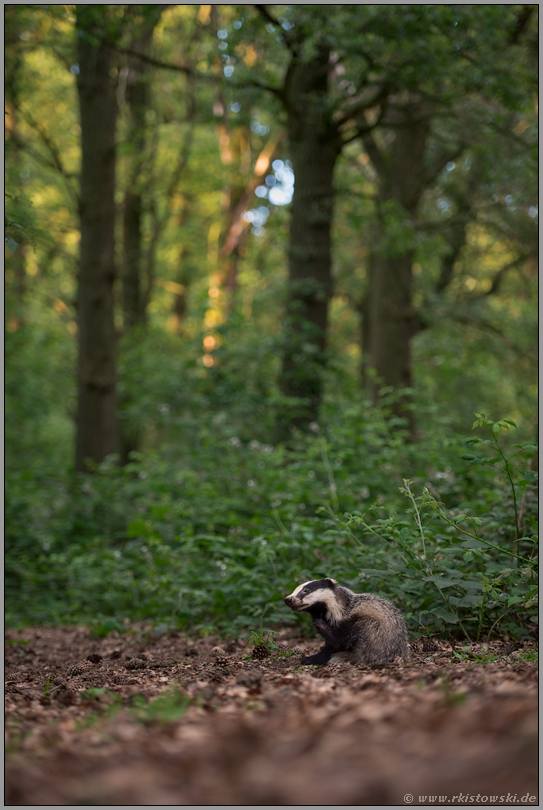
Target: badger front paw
328, 633
319, 659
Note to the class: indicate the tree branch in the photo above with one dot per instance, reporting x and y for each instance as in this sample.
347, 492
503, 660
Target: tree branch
276, 91
288, 39
56, 161
441, 161
498, 278
187, 70
232, 238
522, 21
379, 98
263, 11
484, 325
46, 140
374, 153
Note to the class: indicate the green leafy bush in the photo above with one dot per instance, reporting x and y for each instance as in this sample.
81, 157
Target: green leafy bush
213, 533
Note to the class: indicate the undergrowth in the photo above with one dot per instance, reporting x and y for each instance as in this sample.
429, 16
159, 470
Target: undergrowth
211, 533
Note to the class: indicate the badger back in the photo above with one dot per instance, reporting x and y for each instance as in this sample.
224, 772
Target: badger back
381, 627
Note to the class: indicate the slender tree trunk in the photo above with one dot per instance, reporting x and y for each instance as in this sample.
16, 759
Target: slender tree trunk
238, 196
314, 148
133, 298
363, 314
133, 311
139, 99
97, 428
391, 316
135, 294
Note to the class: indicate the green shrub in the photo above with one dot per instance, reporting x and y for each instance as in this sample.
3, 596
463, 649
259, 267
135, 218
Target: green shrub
212, 534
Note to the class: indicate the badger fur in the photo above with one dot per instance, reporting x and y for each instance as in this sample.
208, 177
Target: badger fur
357, 627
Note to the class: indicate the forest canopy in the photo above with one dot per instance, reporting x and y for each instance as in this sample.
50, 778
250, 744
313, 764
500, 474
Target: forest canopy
264, 263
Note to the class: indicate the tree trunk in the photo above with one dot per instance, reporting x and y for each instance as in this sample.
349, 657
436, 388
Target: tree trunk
139, 100
97, 429
314, 148
390, 311
135, 295
390, 320
133, 298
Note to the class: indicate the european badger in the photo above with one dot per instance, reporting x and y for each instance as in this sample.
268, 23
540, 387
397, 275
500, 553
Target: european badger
357, 627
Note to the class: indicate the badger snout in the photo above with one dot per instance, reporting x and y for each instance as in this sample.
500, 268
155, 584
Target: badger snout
293, 603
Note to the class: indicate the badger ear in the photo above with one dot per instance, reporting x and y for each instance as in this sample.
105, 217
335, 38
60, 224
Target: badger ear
331, 581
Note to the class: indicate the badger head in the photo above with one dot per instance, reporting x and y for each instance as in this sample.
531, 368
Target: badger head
317, 598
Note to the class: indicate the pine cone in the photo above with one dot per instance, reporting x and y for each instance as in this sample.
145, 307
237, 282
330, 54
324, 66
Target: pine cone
120, 678
221, 661
260, 652
135, 663
78, 669
429, 645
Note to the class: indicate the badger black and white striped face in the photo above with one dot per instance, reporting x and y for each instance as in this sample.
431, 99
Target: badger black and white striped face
314, 594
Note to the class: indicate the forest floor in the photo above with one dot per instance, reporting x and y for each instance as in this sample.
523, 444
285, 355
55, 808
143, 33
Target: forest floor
145, 719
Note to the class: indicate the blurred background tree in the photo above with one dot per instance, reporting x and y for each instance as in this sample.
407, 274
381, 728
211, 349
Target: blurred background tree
431, 173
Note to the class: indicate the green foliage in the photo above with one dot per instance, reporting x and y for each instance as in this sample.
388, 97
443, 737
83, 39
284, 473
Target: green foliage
468, 654
213, 535
104, 705
167, 708
477, 581
531, 656
38, 421
19, 220
266, 638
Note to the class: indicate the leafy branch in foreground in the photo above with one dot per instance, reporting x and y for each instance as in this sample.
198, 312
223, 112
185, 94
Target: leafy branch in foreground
480, 581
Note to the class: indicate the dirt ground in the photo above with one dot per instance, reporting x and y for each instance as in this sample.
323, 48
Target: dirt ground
145, 719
